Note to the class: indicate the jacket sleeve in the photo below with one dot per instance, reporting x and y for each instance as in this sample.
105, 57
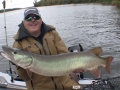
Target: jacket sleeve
60, 45
21, 72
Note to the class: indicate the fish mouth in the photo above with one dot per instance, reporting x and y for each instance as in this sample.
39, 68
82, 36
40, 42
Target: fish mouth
10, 52
7, 50
2, 53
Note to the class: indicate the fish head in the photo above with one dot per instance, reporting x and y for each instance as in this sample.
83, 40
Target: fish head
17, 56
8, 52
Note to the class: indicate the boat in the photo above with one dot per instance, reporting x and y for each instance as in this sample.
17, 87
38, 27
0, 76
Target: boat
7, 81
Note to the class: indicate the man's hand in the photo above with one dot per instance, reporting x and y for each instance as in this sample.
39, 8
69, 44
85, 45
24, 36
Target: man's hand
74, 76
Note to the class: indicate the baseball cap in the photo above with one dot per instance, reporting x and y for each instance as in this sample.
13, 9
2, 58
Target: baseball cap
31, 10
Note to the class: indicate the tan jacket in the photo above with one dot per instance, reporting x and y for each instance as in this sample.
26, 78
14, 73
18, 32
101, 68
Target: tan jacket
52, 44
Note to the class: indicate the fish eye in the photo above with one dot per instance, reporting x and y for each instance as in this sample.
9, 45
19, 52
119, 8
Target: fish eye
15, 52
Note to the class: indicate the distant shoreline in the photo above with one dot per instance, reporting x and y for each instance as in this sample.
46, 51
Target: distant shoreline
7, 10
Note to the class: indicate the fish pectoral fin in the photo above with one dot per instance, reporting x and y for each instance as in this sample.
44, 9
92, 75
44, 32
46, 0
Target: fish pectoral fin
97, 51
96, 72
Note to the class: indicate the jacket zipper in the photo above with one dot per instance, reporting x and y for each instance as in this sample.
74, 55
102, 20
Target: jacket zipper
41, 45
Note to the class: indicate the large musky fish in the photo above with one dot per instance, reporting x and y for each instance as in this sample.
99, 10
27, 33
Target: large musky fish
58, 65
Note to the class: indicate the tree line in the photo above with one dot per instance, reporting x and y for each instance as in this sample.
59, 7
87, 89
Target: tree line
60, 2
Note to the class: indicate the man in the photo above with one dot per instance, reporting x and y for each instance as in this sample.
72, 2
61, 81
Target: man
37, 37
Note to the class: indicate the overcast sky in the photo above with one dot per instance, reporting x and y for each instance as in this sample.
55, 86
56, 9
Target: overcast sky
17, 3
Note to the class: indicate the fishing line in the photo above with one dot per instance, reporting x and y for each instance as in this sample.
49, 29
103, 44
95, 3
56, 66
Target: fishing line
4, 5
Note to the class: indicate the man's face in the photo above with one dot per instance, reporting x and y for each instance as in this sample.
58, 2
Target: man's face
33, 23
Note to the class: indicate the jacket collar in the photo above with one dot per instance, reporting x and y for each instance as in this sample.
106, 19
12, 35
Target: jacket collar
22, 32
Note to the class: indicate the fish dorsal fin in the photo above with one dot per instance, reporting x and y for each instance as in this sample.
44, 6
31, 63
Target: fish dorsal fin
96, 72
97, 51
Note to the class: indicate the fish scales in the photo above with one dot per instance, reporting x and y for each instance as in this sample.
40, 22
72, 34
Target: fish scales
57, 65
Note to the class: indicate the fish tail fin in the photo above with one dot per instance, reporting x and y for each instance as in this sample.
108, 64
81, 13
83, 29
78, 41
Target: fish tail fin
109, 60
97, 51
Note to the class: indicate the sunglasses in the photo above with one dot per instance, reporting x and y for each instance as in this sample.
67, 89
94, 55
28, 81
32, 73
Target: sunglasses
29, 18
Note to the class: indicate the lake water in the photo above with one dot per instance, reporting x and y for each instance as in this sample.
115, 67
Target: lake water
91, 25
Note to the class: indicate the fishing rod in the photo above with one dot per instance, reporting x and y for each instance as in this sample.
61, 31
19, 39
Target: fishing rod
4, 6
